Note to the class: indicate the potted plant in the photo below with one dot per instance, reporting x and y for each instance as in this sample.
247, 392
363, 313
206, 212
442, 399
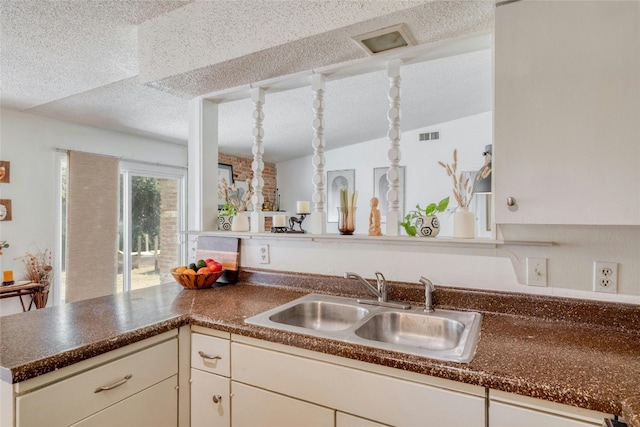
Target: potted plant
225, 216
424, 222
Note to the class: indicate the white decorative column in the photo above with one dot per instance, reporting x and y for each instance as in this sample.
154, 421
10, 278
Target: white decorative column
203, 165
393, 197
319, 215
257, 216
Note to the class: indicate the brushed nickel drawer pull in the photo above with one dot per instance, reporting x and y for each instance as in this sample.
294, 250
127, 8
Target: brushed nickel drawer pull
114, 385
208, 356
217, 398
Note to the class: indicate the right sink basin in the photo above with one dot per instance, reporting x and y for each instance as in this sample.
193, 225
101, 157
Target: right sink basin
444, 334
412, 329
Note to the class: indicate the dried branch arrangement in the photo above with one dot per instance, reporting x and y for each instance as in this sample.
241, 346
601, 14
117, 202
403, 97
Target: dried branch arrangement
38, 266
231, 195
463, 187
3, 245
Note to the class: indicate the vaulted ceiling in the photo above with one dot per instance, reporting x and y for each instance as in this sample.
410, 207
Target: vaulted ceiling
132, 66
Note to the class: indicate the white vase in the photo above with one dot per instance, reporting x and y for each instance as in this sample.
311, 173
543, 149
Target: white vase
427, 226
464, 224
240, 223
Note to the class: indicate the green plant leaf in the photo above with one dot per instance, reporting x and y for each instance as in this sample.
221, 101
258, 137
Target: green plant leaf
410, 229
430, 209
442, 206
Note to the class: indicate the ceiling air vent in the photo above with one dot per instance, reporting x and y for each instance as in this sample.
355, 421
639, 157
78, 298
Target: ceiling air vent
429, 136
386, 39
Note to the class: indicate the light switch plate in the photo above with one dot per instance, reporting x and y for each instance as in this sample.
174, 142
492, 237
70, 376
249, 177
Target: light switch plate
536, 271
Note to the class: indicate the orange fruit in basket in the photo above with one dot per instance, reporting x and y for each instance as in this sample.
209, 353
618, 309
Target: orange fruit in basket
204, 270
180, 269
188, 271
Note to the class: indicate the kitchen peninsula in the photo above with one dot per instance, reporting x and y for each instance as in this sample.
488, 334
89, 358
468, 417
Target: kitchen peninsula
571, 352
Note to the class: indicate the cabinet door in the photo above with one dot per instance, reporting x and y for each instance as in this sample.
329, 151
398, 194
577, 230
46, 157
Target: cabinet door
567, 109
504, 415
210, 402
74, 398
346, 420
373, 396
255, 407
156, 406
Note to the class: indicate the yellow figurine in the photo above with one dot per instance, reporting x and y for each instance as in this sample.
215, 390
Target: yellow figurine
374, 219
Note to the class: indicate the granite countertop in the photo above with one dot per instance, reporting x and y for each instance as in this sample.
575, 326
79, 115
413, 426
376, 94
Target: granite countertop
580, 353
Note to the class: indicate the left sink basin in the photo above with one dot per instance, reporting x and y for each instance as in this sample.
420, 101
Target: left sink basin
320, 315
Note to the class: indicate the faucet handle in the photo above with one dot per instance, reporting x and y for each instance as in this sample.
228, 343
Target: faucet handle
380, 277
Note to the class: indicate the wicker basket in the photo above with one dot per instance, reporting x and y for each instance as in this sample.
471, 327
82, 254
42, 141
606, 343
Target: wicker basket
198, 280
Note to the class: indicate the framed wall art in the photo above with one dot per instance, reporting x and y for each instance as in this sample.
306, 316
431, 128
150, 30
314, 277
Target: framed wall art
5, 172
337, 180
225, 172
380, 188
5, 210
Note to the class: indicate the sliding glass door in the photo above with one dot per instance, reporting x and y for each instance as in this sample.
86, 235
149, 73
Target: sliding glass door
151, 217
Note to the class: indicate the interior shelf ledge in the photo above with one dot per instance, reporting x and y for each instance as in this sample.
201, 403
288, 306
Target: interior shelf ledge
399, 240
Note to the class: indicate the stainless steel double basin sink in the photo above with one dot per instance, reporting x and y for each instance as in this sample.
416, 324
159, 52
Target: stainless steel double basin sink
444, 334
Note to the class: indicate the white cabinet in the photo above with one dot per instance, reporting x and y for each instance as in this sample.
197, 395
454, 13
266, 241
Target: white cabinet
567, 112
347, 420
210, 383
506, 408
256, 407
356, 388
141, 372
130, 412
210, 402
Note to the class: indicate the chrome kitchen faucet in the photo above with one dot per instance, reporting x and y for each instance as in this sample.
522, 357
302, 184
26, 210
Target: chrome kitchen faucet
380, 291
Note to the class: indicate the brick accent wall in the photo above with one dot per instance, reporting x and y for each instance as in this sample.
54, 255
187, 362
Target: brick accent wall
242, 170
168, 257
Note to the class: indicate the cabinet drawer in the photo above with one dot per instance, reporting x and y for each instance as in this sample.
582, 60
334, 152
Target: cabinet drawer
75, 398
210, 354
503, 415
142, 409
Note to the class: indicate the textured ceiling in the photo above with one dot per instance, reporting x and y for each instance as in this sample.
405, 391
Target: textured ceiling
84, 61
356, 107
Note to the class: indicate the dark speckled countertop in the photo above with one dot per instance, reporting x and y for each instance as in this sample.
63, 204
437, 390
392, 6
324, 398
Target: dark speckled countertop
575, 352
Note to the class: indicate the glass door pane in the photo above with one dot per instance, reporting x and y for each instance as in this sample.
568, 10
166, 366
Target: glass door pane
152, 241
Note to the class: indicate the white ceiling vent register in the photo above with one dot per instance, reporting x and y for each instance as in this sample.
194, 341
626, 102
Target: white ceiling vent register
385, 39
429, 136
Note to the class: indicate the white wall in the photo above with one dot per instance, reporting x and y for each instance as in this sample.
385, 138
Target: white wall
28, 142
570, 259
427, 181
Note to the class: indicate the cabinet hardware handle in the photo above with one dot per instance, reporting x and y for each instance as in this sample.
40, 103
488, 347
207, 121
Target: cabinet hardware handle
208, 356
114, 385
217, 398
511, 201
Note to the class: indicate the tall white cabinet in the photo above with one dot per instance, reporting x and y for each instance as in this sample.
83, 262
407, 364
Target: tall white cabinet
567, 112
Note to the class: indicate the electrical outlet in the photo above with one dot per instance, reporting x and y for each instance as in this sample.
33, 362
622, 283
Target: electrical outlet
536, 271
264, 254
605, 277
